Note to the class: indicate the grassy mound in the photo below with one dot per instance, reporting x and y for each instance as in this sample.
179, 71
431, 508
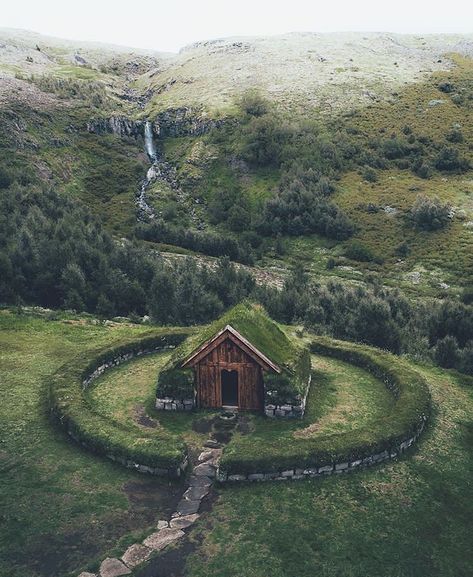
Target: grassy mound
123, 442
267, 453
251, 321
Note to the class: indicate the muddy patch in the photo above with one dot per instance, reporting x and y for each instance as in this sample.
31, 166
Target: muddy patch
172, 563
148, 496
204, 425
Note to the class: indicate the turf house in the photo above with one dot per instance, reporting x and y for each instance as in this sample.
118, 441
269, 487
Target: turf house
242, 361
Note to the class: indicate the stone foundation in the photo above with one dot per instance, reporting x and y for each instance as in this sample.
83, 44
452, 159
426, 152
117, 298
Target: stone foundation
289, 411
171, 404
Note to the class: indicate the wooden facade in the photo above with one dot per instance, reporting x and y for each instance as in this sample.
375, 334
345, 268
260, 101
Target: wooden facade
229, 372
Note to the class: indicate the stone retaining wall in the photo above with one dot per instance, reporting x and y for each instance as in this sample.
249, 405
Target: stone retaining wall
334, 468
116, 361
171, 404
288, 411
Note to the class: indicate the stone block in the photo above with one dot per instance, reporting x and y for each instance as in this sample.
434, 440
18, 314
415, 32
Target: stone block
269, 412
286, 408
256, 477
356, 463
279, 413
221, 476
184, 521
162, 524
112, 567
299, 471
298, 477
341, 466
196, 493
159, 405
270, 476
311, 472
200, 481
87, 574
162, 538
135, 555
237, 477
288, 473
327, 469
204, 469
187, 507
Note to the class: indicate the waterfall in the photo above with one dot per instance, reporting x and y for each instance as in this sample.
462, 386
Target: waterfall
149, 142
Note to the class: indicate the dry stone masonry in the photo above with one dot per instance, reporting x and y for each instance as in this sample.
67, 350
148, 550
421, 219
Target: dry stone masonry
168, 532
335, 468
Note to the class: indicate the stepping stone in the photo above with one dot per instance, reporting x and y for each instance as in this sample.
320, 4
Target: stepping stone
112, 567
204, 469
212, 444
211, 456
186, 507
161, 539
200, 481
136, 554
184, 522
205, 456
162, 524
196, 493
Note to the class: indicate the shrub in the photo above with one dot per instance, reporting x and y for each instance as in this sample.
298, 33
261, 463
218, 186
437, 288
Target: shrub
253, 103
370, 175
430, 213
356, 250
449, 160
446, 87
446, 352
454, 135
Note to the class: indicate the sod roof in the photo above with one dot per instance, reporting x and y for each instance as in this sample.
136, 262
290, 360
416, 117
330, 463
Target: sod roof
253, 323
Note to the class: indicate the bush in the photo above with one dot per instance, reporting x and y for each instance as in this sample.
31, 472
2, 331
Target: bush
430, 213
446, 352
449, 160
356, 250
370, 175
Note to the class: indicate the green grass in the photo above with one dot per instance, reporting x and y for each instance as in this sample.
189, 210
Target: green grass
409, 518
61, 507
342, 398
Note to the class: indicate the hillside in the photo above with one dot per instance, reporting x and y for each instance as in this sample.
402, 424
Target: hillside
326, 71
347, 155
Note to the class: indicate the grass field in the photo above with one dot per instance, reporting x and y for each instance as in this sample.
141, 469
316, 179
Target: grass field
408, 518
62, 508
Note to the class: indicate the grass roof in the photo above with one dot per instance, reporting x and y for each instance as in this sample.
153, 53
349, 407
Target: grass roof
252, 322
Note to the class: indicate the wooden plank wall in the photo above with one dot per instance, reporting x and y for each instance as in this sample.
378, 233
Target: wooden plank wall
230, 357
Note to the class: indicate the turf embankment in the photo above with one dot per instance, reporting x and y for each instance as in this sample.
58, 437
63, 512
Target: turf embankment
247, 455
156, 451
